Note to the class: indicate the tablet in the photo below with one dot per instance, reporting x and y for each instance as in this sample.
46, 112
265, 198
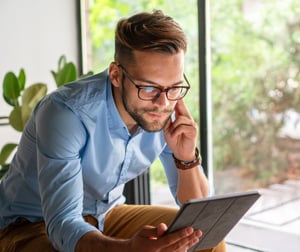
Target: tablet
215, 216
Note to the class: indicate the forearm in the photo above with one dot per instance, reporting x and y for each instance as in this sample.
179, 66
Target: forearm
96, 241
192, 183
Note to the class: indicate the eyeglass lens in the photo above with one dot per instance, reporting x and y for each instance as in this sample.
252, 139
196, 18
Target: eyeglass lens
149, 93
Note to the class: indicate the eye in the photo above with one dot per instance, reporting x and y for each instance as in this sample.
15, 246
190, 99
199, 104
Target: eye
176, 91
150, 89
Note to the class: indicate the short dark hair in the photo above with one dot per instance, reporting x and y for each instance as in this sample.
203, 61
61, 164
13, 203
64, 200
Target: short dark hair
148, 32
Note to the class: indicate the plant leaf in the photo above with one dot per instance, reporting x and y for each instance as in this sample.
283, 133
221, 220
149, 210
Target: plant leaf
22, 79
6, 150
11, 89
54, 74
33, 94
61, 62
67, 74
16, 119
3, 170
30, 97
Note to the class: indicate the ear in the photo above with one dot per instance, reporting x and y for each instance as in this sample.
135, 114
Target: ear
115, 74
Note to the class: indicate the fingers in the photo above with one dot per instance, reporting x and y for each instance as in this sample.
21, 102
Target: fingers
181, 109
161, 229
182, 122
154, 232
181, 134
149, 232
152, 239
182, 125
182, 117
181, 240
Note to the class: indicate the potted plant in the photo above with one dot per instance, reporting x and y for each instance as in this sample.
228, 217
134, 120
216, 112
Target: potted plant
24, 99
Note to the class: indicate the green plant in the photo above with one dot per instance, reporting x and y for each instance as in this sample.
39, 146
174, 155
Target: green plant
24, 99
66, 72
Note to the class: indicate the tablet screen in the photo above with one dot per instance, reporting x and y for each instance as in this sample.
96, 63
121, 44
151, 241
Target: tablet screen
214, 216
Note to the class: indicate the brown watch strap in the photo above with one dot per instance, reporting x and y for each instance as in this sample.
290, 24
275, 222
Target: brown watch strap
182, 165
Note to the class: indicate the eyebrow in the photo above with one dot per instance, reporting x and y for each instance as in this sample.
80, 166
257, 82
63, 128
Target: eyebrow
157, 84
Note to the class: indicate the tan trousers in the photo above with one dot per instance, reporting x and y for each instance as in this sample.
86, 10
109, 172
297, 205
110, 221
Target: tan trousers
121, 222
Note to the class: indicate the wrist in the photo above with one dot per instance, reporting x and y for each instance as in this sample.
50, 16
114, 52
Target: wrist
96, 241
185, 165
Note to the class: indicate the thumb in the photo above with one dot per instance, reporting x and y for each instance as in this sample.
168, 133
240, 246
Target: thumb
161, 229
153, 232
148, 232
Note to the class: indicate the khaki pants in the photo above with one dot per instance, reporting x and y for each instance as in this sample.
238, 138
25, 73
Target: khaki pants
121, 222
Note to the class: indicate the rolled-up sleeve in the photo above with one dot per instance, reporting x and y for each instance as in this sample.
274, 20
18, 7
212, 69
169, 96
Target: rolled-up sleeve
61, 138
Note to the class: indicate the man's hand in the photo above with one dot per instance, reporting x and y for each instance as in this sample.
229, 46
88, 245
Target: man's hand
181, 135
152, 239
148, 239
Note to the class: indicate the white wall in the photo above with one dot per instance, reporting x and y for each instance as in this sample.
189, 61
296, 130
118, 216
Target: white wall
33, 35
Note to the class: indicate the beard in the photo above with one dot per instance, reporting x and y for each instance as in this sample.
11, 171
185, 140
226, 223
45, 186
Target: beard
138, 115
153, 126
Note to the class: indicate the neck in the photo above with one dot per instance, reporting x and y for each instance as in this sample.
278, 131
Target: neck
132, 128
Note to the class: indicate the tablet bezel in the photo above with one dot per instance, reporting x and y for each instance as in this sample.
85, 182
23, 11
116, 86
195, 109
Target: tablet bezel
215, 216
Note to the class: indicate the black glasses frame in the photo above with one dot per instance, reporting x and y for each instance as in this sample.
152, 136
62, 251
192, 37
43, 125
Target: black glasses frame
161, 90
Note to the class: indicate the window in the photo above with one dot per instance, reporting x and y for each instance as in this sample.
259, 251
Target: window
255, 92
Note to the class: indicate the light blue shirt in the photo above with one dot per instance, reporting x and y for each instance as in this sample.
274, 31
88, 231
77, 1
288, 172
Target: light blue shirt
73, 159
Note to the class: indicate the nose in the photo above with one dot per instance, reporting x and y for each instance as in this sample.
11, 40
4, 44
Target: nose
162, 99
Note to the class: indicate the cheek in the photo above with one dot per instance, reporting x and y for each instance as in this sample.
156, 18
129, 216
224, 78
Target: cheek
131, 101
131, 98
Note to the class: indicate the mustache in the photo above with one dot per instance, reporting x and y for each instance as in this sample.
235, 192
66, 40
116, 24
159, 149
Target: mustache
157, 110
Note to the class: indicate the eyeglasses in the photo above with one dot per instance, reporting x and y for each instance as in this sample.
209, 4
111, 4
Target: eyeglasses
150, 93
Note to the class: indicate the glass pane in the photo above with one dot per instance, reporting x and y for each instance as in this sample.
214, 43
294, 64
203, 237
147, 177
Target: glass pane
256, 94
256, 104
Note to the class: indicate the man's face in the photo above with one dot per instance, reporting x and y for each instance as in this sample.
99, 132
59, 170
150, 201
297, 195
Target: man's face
153, 70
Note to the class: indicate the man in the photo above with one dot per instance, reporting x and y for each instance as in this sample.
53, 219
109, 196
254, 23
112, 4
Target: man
85, 140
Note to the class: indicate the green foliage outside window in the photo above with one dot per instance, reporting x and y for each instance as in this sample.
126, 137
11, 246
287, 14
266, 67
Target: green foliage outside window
255, 75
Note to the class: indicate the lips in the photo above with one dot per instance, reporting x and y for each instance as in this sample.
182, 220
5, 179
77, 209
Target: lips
156, 115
